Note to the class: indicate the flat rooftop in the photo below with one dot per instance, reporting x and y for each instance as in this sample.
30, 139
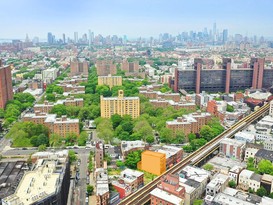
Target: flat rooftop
10, 175
166, 196
38, 183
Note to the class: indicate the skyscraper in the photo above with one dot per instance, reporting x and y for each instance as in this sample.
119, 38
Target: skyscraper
89, 37
225, 35
63, 38
6, 91
75, 37
49, 38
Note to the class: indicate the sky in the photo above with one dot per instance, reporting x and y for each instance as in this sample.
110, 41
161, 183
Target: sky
133, 18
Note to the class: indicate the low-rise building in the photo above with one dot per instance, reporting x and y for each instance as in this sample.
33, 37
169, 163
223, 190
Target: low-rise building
248, 179
267, 182
250, 152
263, 154
129, 146
102, 187
232, 148
61, 126
217, 184
46, 107
159, 196
194, 180
268, 144
173, 154
99, 155
176, 105
244, 137
191, 123
234, 173
128, 182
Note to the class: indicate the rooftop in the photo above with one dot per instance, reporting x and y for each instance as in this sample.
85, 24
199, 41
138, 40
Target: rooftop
265, 154
232, 142
39, 183
166, 196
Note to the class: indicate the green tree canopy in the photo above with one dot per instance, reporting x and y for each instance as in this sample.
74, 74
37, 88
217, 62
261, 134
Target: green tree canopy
132, 159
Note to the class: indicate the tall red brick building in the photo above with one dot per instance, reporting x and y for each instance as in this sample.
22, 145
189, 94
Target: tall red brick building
106, 67
6, 91
79, 68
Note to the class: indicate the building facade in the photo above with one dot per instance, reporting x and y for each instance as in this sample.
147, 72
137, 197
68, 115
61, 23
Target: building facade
6, 91
191, 123
106, 67
110, 80
120, 105
224, 79
152, 162
79, 67
232, 148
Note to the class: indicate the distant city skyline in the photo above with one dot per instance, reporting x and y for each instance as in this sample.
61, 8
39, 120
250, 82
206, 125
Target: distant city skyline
133, 18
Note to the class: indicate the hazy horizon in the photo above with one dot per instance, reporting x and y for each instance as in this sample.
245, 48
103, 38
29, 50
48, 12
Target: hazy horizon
133, 18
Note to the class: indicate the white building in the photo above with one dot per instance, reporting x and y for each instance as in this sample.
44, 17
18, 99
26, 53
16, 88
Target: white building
217, 184
268, 144
50, 74
245, 136
248, 179
250, 152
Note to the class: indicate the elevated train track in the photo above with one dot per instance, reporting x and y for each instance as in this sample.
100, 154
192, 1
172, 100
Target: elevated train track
143, 195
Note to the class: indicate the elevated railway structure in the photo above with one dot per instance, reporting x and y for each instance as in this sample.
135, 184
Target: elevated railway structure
142, 195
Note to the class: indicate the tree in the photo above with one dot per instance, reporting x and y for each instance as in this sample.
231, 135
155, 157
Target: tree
261, 191
107, 158
191, 137
58, 89
265, 167
143, 128
206, 132
271, 195
50, 97
42, 147
208, 167
105, 130
90, 189
116, 119
82, 138
187, 148
120, 163
230, 108
55, 140
132, 159
59, 109
198, 202
72, 156
232, 184
150, 139
197, 143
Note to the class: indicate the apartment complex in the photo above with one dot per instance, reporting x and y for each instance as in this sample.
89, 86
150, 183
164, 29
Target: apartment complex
46, 107
225, 79
191, 123
152, 162
47, 183
120, 105
110, 80
176, 105
130, 67
6, 91
99, 154
79, 67
106, 67
61, 126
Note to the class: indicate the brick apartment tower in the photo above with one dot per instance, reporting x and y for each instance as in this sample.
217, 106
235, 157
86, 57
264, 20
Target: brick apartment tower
198, 68
79, 68
6, 91
106, 67
130, 67
227, 67
257, 64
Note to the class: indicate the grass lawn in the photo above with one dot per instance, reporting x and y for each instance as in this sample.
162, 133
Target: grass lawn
114, 171
148, 177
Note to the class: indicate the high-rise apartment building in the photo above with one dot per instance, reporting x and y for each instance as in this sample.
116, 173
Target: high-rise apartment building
78, 67
106, 67
6, 91
225, 79
110, 80
130, 66
119, 105
76, 39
